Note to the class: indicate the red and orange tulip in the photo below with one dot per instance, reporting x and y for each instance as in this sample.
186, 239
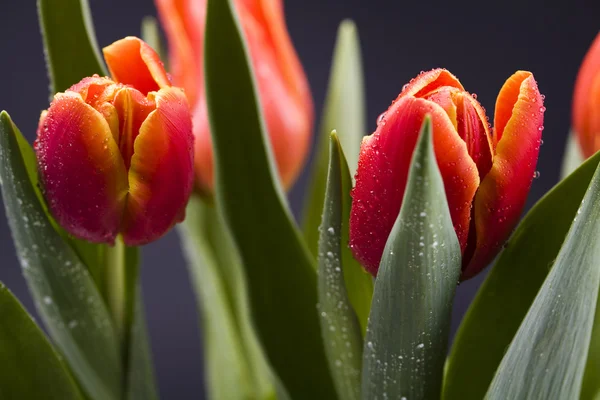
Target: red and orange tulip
115, 156
586, 101
487, 174
283, 89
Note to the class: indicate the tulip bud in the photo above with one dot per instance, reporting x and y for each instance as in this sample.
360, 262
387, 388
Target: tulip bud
282, 86
115, 156
486, 174
586, 101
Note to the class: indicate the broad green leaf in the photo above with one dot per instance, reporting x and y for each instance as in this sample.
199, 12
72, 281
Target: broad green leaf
31, 368
406, 341
339, 325
228, 369
546, 359
279, 269
344, 112
591, 380
140, 374
572, 157
509, 289
151, 35
64, 292
69, 42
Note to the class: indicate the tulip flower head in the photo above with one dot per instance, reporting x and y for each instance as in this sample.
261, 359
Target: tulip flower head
586, 101
115, 156
486, 173
282, 86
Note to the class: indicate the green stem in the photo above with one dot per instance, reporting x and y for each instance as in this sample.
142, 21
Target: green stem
115, 285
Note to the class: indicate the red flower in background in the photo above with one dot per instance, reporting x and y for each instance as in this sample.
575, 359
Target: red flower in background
586, 101
115, 156
282, 86
487, 174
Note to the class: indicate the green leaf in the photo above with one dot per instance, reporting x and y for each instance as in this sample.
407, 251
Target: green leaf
279, 269
590, 388
31, 367
339, 324
140, 376
509, 289
572, 157
410, 317
344, 112
65, 294
69, 42
216, 276
547, 357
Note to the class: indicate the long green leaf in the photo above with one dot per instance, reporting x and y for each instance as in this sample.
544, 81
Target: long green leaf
227, 367
141, 383
69, 42
546, 359
279, 269
344, 112
502, 302
65, 294
339, 325
572, 158
590, 389
410, 317
31, 368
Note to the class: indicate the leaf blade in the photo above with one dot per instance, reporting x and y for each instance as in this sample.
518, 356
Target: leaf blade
547, 357
344, 112
64, 292
406, 341
279, 269
339, 324
28, 357
510, 288
69, 42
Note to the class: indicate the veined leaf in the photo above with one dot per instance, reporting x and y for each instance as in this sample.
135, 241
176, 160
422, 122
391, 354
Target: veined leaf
546, 359
69, 42
511, 286
31, 368
279, 269
344, 112
406, 341
339, 325
64, 292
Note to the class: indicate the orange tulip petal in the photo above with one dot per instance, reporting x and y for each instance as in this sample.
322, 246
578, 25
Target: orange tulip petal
502, 194
383, 169
133, 109
429, 81
132, 62
182, 21
81, 169
586, 93
161, 173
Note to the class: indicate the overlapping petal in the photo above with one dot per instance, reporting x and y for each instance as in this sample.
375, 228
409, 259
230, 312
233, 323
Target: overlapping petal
82, 171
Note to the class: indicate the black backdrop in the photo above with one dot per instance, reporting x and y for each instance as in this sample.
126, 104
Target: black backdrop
482, 42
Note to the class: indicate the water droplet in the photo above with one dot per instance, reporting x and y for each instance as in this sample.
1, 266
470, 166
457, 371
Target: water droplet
423, 214
420, 346
329, 254
47, 300
536, 174
380, 118
338, 363
330, 230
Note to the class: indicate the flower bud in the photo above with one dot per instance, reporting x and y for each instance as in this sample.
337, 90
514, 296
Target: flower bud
282, 86
486, 174
115, 156
586, 101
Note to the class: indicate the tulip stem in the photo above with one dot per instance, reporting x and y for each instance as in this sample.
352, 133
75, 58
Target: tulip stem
115, 286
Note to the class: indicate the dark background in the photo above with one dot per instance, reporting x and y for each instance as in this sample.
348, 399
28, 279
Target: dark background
482, 42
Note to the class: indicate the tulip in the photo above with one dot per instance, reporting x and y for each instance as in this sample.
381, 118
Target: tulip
487, 174
282, 86
586, 101
115, 156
